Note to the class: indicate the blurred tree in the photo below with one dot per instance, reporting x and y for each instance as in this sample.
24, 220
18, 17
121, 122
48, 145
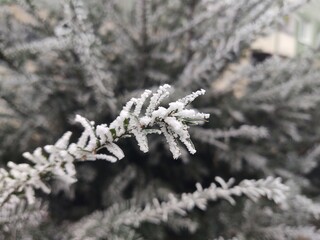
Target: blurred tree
89, 58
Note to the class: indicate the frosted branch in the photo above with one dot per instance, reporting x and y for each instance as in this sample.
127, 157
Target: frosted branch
40, 46
58, 160
271, 188
211, 136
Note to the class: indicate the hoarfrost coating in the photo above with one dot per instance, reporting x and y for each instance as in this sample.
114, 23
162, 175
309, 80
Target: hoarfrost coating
57, 161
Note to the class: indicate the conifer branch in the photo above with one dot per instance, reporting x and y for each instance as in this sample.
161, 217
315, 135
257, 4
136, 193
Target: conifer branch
117, 217
57, 161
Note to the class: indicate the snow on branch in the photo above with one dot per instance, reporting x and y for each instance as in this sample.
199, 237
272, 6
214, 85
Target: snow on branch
271, 188
187, 27
245, 131
200, 70
58, 160
290, 232
39, 46
251, 132
19, 215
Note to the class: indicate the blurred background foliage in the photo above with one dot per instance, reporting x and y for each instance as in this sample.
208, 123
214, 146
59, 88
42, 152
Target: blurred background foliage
258, 61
